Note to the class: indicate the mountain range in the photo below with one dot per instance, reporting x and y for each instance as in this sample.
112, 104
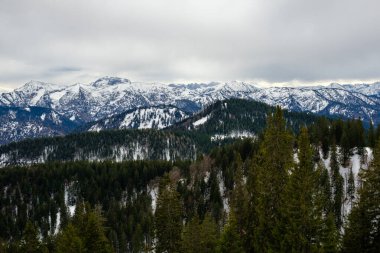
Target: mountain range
113, 102
219, 123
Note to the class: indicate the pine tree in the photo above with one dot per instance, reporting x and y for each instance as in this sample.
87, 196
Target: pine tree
89, 225
199, 236
351, 186
330, 235
371, 137
337, 183
325, 186
345, 147
363, 230
68, 241
302, 210
95, 239
239, 196
230, 241
168, 219
275, 160
29, 241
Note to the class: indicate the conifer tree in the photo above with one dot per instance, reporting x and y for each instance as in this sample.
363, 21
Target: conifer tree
239, 198
95, 239
168, 219
351, 186
29, 241
325, 185
302, 211
89, 225
199, 236
68, 241
330, 235
230, 241
337, 183
345, 147
363, 231
371, 137
274, 164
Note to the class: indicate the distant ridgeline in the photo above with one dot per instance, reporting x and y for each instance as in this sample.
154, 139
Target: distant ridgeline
240, 117
106, 145
217, 124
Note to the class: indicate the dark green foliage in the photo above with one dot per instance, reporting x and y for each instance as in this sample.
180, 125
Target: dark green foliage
275, 162
168, 219
351, 187
106, 183
106, 145
345, 147
363, 230
302, 209
275, 203
231, 241
29, 241
69, 241
242, 115
199, 236
371, 138
330, 235
337, 183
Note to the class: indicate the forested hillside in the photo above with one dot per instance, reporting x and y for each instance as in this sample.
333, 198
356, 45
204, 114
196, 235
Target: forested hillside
106, 145
280, 192
232, 117
216, 125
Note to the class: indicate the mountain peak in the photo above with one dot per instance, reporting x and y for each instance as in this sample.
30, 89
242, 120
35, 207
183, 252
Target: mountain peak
33, 86
107, 80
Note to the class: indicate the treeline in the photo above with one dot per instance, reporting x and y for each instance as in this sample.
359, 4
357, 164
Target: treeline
270, 195
237, 115
44, 194
347, 134
105, 145
275, 204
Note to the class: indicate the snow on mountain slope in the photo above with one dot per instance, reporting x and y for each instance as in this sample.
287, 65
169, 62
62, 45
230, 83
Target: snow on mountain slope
156, 117
323, 100
21, 123
109, 96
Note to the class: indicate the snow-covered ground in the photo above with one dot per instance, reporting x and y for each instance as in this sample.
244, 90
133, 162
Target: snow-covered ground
356, 164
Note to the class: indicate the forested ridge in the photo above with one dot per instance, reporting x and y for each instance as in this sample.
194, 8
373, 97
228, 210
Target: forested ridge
273, 193
180, 142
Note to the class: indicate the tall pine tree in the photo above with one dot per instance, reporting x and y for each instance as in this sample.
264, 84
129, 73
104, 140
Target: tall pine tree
337, 184
168, 218
303, 212
363, 230
274, 164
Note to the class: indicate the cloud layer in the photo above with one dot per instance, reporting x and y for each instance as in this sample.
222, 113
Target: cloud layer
189, 40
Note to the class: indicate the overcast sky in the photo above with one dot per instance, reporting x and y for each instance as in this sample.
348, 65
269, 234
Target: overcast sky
278, 41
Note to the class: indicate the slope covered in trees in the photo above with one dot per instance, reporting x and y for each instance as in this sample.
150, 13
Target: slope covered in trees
269, 194
230, 118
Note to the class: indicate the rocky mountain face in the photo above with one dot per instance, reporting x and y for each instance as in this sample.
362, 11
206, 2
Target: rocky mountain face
219, 123
154, 117
112, 102
29, 122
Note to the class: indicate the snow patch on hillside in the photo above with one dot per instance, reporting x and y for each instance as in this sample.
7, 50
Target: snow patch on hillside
233, 135
201, 121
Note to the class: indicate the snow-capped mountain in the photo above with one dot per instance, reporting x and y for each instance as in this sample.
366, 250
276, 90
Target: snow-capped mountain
109, 96
21, 123
155, 117
323, 100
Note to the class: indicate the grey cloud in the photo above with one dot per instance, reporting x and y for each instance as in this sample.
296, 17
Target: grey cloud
197, 40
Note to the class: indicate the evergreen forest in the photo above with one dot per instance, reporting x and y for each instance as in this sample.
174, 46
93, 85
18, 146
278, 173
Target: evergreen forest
313, 186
